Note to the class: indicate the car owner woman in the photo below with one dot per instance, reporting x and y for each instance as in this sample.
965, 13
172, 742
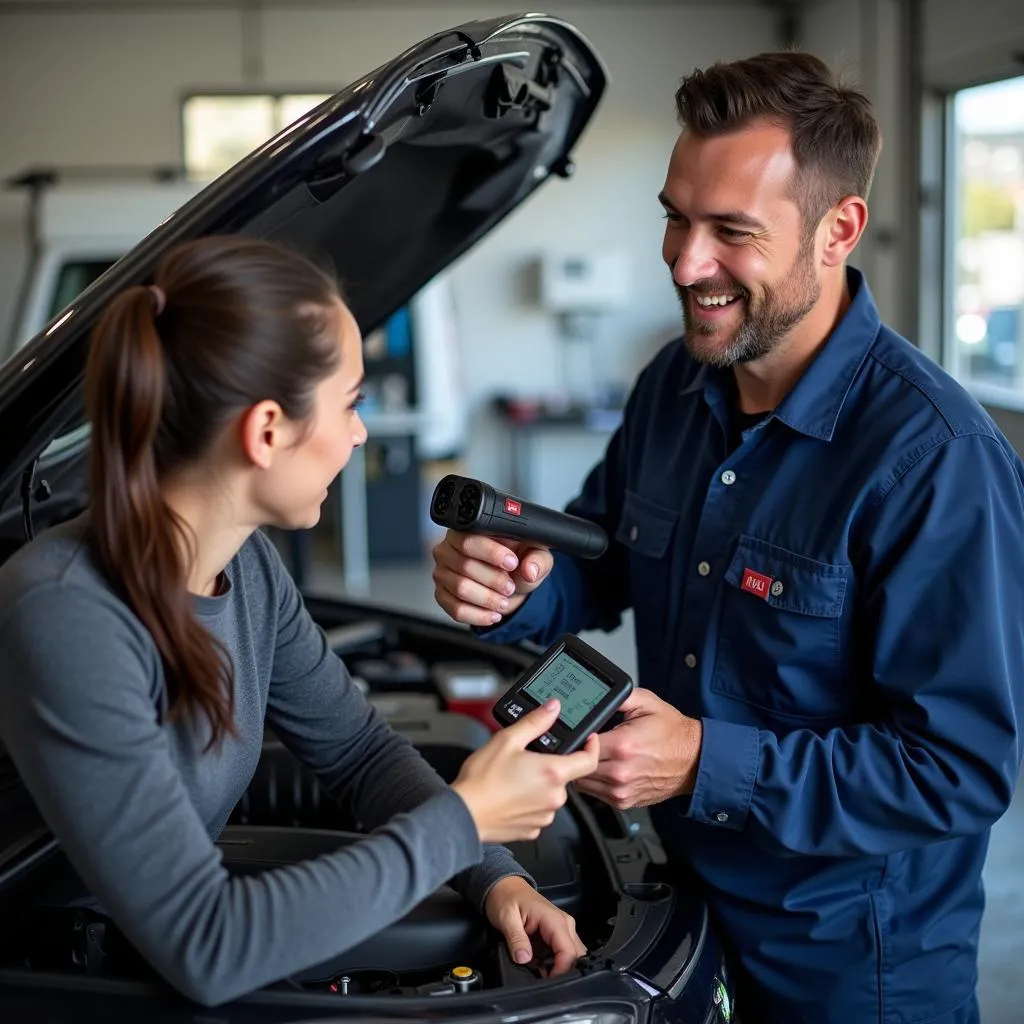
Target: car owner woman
146, 643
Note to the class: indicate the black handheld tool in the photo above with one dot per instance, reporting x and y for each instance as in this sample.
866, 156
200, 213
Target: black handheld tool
471, 506
588, 686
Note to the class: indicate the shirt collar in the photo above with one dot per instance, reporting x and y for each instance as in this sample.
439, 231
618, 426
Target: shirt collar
813, 405
699, 382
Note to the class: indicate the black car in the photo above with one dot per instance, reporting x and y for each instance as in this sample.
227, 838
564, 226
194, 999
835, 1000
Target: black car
391, 180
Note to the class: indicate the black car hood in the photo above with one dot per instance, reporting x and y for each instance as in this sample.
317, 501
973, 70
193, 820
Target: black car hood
390, 181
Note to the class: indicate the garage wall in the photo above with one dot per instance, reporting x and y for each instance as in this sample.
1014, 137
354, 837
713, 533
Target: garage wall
968, 43
861, 39
104, 87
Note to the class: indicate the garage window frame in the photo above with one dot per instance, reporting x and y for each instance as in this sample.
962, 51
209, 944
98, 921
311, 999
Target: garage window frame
209, 146
941, 228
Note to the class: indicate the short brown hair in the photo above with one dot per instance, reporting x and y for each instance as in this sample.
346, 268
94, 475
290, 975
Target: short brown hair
836, 139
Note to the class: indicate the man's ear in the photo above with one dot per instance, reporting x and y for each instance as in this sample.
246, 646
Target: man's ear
844, 224
263, 432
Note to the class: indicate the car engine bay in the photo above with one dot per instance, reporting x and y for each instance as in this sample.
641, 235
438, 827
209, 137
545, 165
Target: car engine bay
408, 669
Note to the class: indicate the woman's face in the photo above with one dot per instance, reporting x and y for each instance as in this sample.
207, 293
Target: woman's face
291, 490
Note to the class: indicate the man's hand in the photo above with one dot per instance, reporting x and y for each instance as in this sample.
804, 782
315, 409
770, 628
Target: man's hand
518, 911
652, 756
480, 579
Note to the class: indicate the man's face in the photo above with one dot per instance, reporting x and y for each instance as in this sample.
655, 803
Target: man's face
742, 264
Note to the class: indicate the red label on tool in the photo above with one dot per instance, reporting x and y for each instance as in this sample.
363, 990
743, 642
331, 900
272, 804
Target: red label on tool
513, 508
756, 583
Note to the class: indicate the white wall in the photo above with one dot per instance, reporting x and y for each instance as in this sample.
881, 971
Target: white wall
105, 86
966, 43
861, 39
99, 88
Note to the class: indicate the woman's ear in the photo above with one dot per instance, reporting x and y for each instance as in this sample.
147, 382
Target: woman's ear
264, 431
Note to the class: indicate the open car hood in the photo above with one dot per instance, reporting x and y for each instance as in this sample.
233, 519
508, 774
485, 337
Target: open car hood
390, 181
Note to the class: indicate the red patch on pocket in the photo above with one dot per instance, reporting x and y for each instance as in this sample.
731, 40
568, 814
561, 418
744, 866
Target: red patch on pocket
513, 508
756, 583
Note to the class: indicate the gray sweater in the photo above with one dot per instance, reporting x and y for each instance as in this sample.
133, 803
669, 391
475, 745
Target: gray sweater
136, 804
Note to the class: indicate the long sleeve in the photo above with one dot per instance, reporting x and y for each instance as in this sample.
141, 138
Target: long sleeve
372, 771
79, 719
944, 606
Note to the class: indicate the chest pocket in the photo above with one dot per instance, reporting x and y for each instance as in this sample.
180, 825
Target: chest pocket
646, 530
781, 633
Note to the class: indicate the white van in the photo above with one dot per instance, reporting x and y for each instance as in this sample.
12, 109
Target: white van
77, 227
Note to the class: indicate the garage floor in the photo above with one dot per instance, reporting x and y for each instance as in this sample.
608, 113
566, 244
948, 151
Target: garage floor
1002, 936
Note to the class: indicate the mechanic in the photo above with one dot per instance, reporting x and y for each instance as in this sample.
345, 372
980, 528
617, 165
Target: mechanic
146, 643
821, 536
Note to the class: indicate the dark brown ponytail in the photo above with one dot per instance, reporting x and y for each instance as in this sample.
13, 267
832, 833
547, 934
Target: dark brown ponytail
244, 321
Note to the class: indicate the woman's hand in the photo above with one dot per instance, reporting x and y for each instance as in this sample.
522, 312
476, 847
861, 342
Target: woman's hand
511, 792
518, 911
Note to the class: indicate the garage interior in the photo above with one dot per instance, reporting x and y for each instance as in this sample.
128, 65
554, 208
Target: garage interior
496, 373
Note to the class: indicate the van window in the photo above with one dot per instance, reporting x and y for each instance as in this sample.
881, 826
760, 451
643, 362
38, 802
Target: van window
74, 277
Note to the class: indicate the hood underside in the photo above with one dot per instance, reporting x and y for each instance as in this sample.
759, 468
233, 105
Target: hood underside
388, 183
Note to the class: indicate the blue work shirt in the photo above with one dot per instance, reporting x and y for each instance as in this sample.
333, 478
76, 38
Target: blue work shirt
840, 600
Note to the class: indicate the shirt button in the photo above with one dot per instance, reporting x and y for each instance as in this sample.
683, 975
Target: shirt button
634, 533
721, 817
690, 661
704, 568
777, 588
728, 477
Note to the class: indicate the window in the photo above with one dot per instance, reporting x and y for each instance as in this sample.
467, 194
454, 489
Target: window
220, 129
73, 278
985, 295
